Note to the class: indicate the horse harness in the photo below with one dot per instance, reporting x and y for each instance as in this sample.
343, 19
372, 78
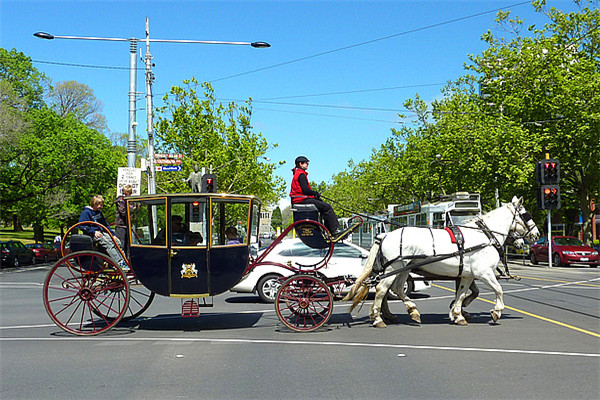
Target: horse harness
456, 237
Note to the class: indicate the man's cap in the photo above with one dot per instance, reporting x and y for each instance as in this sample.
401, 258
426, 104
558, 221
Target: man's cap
301, 159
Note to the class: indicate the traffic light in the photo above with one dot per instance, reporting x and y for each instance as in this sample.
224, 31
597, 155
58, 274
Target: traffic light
548, 172
195, 212
208, 184
549, 197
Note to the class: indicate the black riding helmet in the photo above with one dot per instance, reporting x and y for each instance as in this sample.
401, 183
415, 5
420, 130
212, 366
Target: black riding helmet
301, 159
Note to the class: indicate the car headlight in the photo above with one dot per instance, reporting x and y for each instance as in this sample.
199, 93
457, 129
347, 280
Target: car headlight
594, 253
569, 252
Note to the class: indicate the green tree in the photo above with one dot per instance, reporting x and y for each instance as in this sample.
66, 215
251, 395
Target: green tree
54, 169
548, 84
217, 137
16, 69
521, 98
78, 99
276, 219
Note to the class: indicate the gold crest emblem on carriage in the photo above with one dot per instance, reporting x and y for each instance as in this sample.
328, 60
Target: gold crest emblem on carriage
189, 271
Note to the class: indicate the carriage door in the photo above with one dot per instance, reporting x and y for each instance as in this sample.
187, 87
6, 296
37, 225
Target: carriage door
188, 246
231, 234
148, 250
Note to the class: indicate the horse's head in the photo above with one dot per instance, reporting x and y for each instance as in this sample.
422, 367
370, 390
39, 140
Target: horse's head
523, 225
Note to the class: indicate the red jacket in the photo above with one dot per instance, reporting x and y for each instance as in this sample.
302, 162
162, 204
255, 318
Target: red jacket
296, 191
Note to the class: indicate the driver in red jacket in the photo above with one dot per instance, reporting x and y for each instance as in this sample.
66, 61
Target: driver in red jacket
302, 193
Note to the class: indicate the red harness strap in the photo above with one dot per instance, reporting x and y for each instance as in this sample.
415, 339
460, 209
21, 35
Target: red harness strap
454, 231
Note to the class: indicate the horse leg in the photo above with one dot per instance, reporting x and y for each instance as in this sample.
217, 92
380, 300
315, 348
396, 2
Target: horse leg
490, 280
386, 314
380, 292
461, 293
469, 299
411, 307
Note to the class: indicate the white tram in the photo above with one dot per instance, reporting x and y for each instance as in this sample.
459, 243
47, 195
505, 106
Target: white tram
455, 209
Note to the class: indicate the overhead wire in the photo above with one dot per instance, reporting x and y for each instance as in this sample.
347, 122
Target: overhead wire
268, 101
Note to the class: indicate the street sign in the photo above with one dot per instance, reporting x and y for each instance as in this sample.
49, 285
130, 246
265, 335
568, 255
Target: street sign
129, 176
168, 168
168, 161
163, 155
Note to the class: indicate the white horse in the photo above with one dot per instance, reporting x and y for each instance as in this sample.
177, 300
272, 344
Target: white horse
433, 248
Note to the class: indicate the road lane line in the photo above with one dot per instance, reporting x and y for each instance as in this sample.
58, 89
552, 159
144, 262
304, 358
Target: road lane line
304, 343
582, 283
532, 315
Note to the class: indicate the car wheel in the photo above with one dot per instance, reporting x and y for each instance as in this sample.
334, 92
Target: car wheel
556, 260
532, 258
267, 287
15, 262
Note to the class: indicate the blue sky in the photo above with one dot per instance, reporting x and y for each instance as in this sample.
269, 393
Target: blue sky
330, 87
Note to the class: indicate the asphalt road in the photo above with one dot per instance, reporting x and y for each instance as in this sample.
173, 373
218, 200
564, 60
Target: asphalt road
546, 345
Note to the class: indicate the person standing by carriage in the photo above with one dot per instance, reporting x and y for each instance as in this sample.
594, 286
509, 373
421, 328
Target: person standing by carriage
301, 193
121, 230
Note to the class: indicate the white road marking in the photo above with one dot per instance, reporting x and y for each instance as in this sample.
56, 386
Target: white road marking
303, 343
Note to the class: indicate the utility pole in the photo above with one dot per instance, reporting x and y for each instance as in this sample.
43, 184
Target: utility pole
149, 110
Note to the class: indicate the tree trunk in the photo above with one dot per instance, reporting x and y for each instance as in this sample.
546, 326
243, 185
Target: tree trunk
38, 233
17, 224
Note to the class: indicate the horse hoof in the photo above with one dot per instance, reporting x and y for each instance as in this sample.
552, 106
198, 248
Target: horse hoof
416, 317
495, 316
380, 324
461, 322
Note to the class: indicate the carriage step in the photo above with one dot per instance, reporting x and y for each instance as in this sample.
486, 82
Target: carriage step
190, 308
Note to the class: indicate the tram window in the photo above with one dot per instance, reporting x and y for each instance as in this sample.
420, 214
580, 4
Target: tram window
438, 220
147, 218
227, 214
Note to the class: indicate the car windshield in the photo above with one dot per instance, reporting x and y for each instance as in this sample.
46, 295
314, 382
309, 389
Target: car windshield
567, 241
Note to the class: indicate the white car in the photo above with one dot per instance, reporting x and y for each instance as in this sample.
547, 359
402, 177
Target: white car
348, 259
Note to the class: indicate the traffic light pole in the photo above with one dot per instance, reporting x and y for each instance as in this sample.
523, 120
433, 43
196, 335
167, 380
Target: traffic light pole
549, 239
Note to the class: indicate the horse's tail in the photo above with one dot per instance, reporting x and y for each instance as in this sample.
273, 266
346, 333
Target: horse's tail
359, 290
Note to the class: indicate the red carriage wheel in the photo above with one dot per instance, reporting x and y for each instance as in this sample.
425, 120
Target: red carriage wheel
86, 293
304, 303
140, 298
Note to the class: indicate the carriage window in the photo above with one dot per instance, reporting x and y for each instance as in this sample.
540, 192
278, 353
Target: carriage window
230, 222
255, 225
188, 222
147, 218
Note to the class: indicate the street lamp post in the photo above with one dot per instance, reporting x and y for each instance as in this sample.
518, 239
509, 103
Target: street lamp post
131, 144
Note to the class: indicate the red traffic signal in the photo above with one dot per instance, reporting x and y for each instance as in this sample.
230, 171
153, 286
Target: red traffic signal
549, 197
548, 172
208, 184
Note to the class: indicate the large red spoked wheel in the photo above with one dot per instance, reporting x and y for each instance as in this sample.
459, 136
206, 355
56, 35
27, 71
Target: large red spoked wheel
304, 303
86, 293
140, 298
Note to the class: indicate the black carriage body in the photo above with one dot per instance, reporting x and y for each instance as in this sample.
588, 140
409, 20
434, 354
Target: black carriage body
178, 244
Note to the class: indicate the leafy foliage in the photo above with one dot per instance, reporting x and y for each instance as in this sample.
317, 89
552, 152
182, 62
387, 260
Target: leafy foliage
218, 138
521, 98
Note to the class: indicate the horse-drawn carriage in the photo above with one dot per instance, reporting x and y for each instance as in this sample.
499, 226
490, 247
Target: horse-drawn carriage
179, 247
